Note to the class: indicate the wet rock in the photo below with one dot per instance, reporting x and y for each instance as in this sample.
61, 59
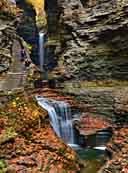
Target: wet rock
121, 102
91, 124
7, 35
27, 27
93, 39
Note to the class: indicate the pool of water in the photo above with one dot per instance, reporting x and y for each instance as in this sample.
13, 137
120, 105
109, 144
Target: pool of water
94, 155
100, 139
92, 159
92, 166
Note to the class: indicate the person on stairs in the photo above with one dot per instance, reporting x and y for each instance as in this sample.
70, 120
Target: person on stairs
27, 63
23, 54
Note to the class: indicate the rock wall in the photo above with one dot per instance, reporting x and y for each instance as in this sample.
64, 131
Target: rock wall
52, 16
7, 34
118, 144
27, 28
94, 43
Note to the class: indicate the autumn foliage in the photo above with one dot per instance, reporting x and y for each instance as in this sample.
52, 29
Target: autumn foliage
27, 141
38, 5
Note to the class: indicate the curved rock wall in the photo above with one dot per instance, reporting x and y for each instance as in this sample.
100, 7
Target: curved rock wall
94, 43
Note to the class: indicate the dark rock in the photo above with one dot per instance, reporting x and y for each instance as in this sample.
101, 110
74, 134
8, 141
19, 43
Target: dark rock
27, 28
94, 43
38, 83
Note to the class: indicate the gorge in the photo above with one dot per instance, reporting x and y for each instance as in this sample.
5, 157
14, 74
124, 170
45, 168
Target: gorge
78, 111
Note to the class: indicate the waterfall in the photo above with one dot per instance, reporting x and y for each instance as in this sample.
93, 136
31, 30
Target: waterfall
41, 49
60, 117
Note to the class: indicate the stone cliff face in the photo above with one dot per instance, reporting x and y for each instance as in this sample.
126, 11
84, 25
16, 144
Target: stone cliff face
94, 47
93, 39
44, 152
27, 28
7, 34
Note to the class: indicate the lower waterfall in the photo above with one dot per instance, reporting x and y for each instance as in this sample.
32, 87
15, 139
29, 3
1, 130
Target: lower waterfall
60, 118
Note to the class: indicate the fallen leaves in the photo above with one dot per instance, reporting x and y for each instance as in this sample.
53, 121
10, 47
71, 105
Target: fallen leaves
118, 144
90, 124
34, 148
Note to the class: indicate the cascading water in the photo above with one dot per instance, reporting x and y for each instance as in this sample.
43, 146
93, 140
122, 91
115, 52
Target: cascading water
41, 50
66, 129
60, 117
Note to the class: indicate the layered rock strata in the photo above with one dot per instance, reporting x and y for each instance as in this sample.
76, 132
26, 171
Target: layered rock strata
93, 39
7, 34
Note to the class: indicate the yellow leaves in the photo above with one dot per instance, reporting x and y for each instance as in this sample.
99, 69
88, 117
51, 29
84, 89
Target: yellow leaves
38, 5
35, 114
70, 156
40, 11
17, 98
8, 8
36, 142
7, 134
14, 104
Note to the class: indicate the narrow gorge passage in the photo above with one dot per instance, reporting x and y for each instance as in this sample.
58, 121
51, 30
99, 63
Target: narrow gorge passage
68, 112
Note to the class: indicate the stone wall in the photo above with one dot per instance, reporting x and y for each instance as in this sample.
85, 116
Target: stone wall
108, 102
99, 101
27, 28
7, 34
94, 43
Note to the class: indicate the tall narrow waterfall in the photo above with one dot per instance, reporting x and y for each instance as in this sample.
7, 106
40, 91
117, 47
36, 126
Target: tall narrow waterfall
41, 49
60, 118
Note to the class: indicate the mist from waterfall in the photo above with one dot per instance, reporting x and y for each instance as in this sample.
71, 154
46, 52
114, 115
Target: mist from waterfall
41, 50
60, 117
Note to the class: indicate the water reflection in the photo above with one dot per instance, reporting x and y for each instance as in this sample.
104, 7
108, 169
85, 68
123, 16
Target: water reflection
93, 159
100, 139
94, 154
92, 166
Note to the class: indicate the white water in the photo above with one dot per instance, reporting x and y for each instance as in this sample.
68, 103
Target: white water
41, 50
100, 148
60, 118
44, 103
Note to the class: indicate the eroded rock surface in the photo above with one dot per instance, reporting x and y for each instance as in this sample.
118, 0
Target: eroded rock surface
93, 39
7, 34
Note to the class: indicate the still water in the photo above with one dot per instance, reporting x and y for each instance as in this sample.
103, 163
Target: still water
93, 160
94, 155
